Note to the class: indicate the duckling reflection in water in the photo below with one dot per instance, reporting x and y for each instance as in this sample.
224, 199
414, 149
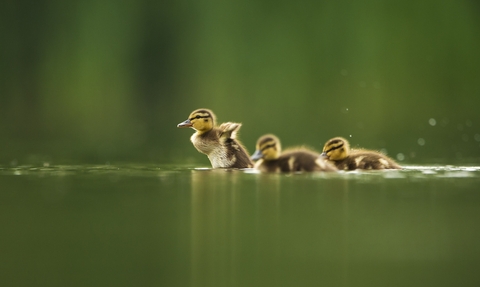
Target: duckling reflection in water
337, 150
220, 143
270, 158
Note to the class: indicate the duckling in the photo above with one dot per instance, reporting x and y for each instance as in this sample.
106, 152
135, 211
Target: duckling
270, 159
218, 143
337, 150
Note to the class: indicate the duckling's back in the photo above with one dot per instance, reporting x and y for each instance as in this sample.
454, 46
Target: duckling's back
365, 159
295, 161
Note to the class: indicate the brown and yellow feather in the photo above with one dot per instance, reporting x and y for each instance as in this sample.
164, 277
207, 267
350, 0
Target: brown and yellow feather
270, 158
337, 151
220, 143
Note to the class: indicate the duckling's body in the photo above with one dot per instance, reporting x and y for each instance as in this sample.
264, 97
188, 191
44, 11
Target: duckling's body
271, 159
218, 143
337, 151
296, 160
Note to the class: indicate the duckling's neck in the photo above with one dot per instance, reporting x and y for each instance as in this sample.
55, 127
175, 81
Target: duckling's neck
204, 141
201, 132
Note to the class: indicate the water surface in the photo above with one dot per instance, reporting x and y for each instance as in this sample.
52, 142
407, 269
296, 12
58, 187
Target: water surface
138, 225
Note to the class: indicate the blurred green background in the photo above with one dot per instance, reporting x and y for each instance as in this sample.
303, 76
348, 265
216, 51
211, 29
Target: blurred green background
103, 81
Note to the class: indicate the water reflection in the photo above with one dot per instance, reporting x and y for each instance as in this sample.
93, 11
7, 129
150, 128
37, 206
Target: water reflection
199, 227
271, 225
212, 222
228, 219
289, 230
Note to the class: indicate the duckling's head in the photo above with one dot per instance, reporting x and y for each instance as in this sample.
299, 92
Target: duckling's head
268, 147
336, 149
201, 120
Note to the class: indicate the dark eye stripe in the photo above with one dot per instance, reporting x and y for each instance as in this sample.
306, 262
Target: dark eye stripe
267, 146
334, 148
198, 117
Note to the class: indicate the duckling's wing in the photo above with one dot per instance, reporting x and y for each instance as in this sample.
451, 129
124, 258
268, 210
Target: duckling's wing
229, 130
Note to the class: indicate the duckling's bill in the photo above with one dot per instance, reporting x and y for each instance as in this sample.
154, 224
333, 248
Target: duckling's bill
185, 124
257, 155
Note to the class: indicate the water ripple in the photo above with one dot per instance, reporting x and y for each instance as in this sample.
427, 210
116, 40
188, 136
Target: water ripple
413, 171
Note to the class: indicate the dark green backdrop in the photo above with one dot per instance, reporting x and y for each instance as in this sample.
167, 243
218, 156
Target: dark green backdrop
105, 81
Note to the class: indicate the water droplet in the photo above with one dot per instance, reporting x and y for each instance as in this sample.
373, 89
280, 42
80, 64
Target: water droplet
400, 156
350, 135
421, 141
477, 137
432, 122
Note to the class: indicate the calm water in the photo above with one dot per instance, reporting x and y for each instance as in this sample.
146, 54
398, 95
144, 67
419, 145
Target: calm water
137, 225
